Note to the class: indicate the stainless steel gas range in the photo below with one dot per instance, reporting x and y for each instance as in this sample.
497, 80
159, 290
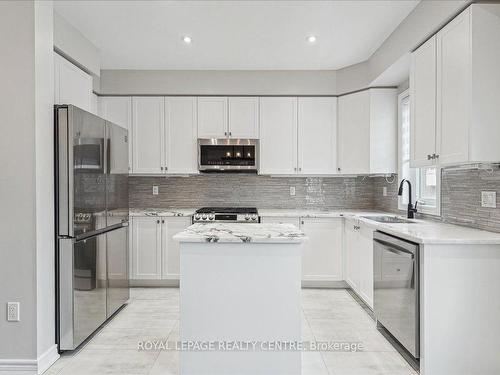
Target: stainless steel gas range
226, 215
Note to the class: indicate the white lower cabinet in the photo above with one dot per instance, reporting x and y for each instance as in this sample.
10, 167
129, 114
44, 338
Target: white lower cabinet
358, 250
322, 254
154, 255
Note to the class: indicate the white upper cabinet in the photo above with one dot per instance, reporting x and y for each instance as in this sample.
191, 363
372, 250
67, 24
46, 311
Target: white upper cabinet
467, 87
367, 122
180, 135
71, 84
354, 133
423, 104
317, 135
278, 135
212, 117
118, 110
147, 135
453, 102
243, 117
383, 131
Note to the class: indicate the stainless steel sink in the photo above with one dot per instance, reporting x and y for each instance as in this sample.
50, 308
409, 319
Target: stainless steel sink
388, 219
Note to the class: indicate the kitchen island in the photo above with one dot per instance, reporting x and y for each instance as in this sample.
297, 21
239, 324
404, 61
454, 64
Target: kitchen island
240, 298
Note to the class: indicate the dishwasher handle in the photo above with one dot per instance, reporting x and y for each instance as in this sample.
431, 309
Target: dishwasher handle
393, 248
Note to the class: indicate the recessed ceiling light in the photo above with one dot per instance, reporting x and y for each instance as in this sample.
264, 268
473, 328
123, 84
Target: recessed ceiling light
187, 39
311, 39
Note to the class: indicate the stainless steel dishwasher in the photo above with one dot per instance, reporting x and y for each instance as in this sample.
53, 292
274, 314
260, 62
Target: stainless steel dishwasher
396, 289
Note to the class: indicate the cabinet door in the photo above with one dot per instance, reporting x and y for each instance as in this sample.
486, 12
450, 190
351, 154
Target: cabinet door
322, 254
146, 248
423, 104
383, 131
453, 90
118, 110
281, 220
243, 117
212, 117
278, 135
72, 85
366, 264
170, 248
354, 133
147, 135
181, 135
351, 245
317, 135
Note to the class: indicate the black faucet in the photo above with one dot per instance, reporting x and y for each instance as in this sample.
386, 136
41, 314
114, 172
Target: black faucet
411, 209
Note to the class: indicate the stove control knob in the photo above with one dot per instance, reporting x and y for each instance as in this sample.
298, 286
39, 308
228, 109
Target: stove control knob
197, 217
254, 217
204, 217
211, 217
247, 217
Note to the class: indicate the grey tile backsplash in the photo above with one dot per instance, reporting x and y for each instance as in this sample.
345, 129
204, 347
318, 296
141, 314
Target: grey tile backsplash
251, 190
460, 193
460, 197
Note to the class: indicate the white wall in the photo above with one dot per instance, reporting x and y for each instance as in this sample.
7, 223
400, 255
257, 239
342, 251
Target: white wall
72, 44
26, 186
44, 164
218, 82
17, 178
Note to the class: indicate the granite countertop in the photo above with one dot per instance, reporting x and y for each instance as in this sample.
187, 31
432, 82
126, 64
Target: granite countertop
241, 233
420, 231
161, 212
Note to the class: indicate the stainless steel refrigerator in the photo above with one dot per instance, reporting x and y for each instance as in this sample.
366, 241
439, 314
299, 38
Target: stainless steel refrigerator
91, 168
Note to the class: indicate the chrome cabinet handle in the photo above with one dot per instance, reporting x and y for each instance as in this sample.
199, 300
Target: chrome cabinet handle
338, 169
225, 133
230, 134
161, 168
429, 157
436, 156
157, 221
162, 221
295, 168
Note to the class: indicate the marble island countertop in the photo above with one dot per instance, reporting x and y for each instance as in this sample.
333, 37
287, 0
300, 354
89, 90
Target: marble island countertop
162, 212
241, 233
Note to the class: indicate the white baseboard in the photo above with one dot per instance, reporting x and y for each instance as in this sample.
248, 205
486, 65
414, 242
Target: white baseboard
47, 359
29, 366
18, 367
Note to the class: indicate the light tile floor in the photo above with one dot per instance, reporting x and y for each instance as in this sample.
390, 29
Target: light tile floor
153, 313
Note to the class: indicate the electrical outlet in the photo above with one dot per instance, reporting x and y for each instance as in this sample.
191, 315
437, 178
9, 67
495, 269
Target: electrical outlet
155, 189
292, 191
489, 199
13, 311
384, 191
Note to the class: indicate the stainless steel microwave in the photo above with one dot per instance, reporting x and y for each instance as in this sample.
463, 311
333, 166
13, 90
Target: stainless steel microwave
228, 155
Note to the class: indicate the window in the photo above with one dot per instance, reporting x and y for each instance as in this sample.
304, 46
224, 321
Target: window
425, 181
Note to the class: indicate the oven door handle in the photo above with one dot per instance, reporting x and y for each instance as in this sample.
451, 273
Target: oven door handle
394, 248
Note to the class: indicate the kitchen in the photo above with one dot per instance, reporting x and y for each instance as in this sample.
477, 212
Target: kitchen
276, 191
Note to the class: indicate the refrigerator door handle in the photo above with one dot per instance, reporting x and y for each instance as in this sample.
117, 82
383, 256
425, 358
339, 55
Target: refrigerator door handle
65, 171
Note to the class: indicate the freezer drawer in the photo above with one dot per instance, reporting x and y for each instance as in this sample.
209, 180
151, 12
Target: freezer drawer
82, 289
117, 270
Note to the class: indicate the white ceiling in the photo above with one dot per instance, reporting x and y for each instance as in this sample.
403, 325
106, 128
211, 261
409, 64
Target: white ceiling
235, 34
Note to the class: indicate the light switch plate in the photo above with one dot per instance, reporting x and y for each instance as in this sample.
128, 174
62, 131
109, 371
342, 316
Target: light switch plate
292, 191
384, 191
489, 199
155, 189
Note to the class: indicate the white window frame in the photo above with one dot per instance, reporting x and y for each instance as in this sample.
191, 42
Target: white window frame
415, 179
